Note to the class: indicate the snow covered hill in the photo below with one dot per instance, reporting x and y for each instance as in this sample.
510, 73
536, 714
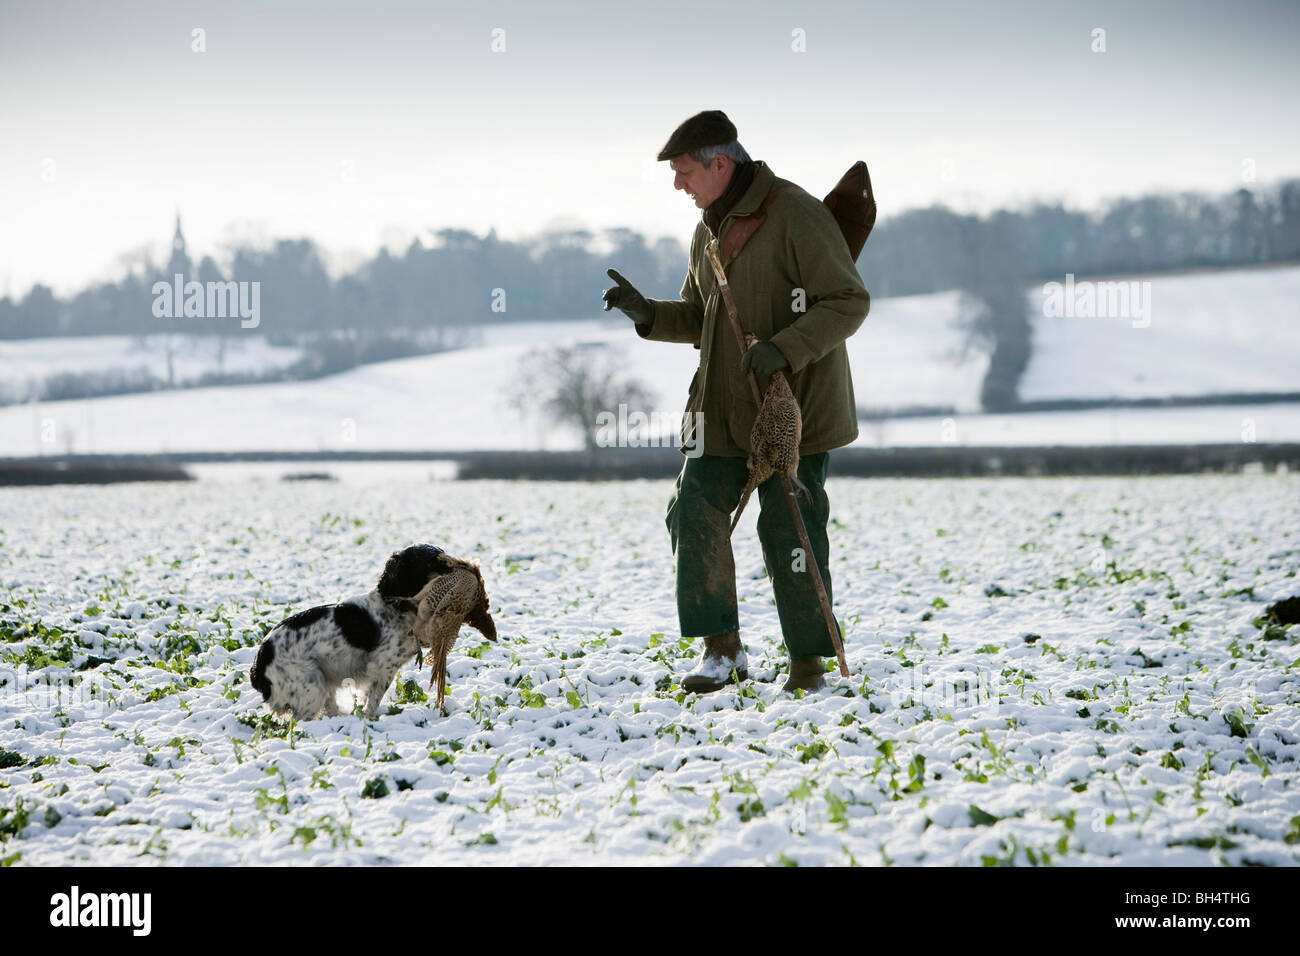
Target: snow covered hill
460, 400
25, 363
1216, 332
1209, 333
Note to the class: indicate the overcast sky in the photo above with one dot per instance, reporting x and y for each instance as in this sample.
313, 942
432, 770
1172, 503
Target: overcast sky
367, 123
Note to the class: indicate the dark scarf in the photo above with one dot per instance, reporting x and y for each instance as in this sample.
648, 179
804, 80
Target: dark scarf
741, 179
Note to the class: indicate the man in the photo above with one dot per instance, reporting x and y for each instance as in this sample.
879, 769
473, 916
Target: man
797, 290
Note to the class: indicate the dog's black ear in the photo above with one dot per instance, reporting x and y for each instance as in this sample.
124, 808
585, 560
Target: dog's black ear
410, 569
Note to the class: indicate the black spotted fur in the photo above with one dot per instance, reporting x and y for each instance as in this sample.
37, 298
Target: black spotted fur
357, 626
257, 675
307, 617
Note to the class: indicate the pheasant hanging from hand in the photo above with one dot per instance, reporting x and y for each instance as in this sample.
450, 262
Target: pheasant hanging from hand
774, 439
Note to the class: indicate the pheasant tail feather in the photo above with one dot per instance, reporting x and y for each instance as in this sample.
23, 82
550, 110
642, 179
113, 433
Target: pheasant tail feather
744, 499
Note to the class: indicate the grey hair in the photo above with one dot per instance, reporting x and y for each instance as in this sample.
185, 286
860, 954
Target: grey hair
733, 151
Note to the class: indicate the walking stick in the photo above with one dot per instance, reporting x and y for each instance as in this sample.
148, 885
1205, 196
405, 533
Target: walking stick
712, 252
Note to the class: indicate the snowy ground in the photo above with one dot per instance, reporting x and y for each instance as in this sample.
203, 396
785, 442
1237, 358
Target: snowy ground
1057, 671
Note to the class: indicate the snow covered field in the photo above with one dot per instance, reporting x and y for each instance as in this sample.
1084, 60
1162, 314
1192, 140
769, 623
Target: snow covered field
1192, 425
1057, 671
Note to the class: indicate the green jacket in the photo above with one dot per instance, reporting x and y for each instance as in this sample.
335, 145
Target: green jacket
798, 246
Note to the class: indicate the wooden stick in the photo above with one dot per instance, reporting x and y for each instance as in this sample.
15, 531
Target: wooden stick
712, 252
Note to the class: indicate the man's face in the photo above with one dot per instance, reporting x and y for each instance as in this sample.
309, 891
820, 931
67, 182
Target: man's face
702, 183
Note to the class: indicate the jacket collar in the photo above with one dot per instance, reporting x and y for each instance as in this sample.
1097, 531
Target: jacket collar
753, 196
756, 193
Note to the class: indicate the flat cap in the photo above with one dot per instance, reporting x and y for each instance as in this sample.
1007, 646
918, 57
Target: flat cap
710, 128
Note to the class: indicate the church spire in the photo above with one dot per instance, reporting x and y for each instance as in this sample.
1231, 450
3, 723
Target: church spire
180, 260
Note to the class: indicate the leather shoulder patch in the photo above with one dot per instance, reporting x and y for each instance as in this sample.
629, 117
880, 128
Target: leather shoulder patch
746, 226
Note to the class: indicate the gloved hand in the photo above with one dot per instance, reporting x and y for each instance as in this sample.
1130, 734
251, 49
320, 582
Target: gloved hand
763, 358
631, 302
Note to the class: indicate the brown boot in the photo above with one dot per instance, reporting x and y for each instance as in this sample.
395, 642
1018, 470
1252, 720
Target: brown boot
723, 654
808, 673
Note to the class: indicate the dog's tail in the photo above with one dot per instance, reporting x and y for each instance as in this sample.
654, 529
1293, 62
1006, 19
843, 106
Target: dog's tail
257, 674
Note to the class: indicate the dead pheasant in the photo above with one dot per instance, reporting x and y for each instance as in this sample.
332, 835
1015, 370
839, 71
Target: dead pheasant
774, 439
448, 601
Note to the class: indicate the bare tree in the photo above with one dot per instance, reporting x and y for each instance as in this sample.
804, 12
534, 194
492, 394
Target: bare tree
573, 384
995, 315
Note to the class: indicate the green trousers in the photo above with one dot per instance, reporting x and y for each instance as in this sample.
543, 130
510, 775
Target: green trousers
699, 520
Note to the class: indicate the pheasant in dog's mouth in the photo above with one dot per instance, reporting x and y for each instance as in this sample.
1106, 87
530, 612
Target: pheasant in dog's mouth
446, 602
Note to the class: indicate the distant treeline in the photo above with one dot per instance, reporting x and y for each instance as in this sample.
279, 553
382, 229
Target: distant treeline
458, 278
929, 250
329, 355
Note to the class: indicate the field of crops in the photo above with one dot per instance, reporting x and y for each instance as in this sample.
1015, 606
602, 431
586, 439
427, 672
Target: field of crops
1044, 672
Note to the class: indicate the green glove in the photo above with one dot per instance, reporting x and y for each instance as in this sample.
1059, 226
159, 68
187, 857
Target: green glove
763, 359
631, 302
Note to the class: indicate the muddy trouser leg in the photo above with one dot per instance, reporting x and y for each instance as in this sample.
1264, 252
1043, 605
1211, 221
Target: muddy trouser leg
699, 523
802, 623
